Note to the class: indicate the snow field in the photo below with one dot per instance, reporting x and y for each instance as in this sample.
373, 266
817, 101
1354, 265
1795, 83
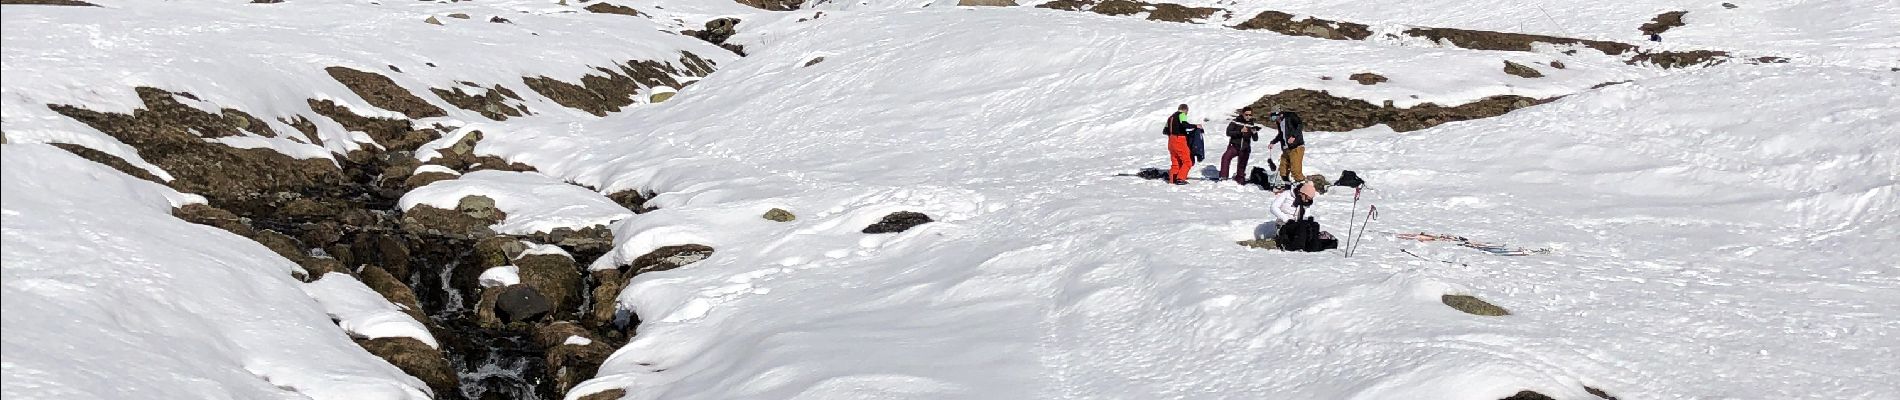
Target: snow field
109, 296
362, 312
1055, 279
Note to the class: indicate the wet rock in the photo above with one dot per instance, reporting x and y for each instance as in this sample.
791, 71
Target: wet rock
609, 8
388, 251
384, 93
498, 251
667, 258
1368, 78
607, 286
1599, 393
1521, 70
417, 359
556, 278
216, 217
321, 234
1284, 24
986, 3
520, 303
1730, 6
1472, 305
394, 290
568, 364
779, 215
814, 61
424, 219
1662, 23
1259, 244
898, 222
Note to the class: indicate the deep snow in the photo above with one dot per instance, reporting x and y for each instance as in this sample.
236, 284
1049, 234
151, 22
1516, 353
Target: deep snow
107, 296
1720, 233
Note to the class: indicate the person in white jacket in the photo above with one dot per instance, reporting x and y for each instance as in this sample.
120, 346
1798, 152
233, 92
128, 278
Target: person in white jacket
1289, 205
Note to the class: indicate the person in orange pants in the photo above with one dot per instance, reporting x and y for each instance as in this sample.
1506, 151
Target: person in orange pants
1180, 162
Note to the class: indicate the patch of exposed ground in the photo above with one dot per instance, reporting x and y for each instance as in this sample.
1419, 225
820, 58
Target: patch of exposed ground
1662, 23
491, 103
610, 8
48, 3
1284, 24
1322, 111
773, 5
1156, 11
717, 32
615, 88
384, 93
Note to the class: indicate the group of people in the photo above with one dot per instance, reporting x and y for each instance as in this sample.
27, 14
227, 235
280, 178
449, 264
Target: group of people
1241, 134
1293, 229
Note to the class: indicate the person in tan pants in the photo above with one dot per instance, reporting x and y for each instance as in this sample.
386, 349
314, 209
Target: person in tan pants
1292, 141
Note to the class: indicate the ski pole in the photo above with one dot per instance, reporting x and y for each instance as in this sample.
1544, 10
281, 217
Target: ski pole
1350, 219
1372, 213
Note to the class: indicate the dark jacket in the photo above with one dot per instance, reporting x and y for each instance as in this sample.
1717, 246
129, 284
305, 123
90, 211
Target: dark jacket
1242, 127
1176, 127
1290, 134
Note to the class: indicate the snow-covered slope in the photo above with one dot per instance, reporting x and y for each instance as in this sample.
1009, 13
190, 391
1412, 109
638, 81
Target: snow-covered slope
108, 296
1718, 233
1051, 278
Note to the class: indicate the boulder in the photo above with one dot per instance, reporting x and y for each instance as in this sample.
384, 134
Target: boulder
1472, 305
607, 286
570, 363
388, 251
779, 215
669, 257
215, 217
592, 239
424, 219
1521, 70
479, 206
394, 290
1368, 78
520, 303
555, 277
898, 222
498, 251
417, 359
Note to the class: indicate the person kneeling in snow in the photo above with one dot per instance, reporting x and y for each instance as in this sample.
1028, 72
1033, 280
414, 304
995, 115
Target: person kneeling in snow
1297, 231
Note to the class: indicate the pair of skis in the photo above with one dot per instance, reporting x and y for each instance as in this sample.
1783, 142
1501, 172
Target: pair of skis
1493, 248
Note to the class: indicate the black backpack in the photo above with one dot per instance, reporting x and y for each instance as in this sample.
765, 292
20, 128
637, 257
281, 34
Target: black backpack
1349, 179
1260, 177
1304, 235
